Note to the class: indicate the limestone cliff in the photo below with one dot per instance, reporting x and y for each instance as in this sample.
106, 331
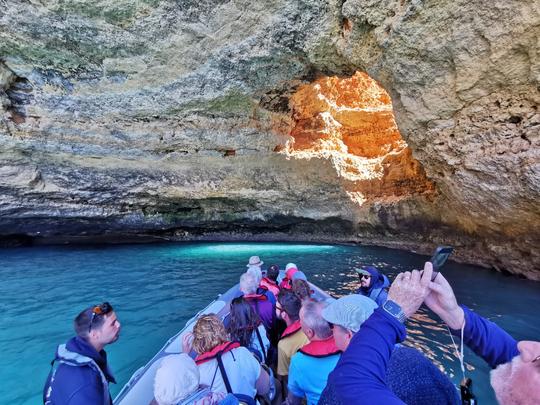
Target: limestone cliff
241, 119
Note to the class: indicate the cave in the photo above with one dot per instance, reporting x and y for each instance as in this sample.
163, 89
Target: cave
378, 119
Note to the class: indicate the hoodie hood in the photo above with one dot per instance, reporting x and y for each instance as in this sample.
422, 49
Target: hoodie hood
378, 280
78, 345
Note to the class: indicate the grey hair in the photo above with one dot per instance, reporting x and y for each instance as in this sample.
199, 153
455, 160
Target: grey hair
248, 283
312, 318
256, 271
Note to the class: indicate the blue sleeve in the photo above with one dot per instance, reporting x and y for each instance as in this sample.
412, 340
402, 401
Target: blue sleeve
487, 339
359, 377
270, 297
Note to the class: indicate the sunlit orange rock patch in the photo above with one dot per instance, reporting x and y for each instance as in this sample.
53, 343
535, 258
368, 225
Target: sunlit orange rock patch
350, 121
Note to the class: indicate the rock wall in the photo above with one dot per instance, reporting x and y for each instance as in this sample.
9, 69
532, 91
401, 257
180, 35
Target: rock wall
178, 119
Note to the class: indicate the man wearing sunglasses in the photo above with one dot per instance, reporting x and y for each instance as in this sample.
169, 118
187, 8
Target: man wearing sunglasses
80, 373
373, 284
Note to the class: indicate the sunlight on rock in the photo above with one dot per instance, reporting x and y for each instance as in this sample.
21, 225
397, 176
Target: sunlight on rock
350, 122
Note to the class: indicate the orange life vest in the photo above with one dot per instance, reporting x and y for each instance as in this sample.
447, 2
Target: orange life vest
218, 350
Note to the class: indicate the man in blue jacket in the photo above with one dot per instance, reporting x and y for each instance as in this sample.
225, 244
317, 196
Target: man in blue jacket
80, 374
373, 284
410, 375
359, 375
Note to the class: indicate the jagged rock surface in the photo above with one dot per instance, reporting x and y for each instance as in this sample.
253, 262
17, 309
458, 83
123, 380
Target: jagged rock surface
172, 118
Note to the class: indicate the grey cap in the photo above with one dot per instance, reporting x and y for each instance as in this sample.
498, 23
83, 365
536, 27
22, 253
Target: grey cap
350, 311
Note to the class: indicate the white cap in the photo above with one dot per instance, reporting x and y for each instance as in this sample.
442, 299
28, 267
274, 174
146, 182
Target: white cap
176, 378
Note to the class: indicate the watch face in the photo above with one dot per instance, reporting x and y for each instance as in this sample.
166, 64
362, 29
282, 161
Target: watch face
393, 308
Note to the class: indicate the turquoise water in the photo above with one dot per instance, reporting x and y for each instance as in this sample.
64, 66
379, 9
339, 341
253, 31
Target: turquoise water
155, 289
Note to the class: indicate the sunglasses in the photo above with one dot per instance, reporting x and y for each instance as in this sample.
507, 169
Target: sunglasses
366, 276
99, 310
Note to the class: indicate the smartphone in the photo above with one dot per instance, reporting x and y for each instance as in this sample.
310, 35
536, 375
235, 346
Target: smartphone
439, 258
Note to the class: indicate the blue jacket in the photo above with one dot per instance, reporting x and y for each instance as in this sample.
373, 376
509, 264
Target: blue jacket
359, 375
377, 290
413, 378
487, 339
81, 377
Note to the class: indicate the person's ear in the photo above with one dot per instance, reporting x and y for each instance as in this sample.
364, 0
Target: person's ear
92, 334
310, 333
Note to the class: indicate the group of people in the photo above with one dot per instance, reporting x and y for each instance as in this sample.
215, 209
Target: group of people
280, 344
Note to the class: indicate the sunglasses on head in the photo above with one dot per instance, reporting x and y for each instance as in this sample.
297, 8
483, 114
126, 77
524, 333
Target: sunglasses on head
99, 310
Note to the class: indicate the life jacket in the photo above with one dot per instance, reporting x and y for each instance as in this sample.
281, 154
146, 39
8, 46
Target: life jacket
269, 285
320, 348
291, 329
216, 351
65, 356
286, 283
256, 297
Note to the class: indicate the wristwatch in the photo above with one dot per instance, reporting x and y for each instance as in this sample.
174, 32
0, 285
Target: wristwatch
395, 310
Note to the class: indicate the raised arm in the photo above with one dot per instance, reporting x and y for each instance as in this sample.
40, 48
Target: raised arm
484, 337
487, 340
359, 377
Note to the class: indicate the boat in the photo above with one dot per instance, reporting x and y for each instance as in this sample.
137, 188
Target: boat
139, 390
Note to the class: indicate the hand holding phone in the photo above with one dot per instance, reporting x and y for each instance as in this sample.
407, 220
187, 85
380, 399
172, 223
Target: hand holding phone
439, 258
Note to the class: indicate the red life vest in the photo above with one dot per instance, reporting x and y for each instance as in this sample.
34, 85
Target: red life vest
291, 329
285, 284
269, 285
320, 348
256, 297
287, 280
212, 354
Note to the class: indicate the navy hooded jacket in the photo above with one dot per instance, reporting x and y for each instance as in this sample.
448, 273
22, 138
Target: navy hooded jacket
377, 290
359, 376
82, 376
